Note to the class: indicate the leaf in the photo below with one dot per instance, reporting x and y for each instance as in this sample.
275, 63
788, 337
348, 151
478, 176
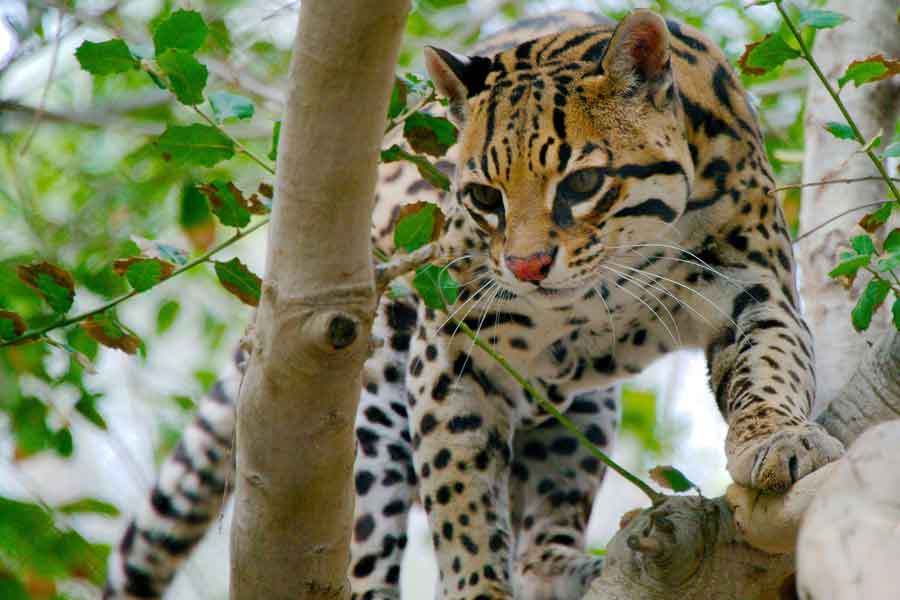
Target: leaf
671, 478
185, 403
863, 245
840, 130
435, 286
872, 221
239, 280
398, 98
276, 136
106, 329
195, 144
895, 311
29, 425
183, 30
849, 267
164, 252
428, 134
11, 325
165, 317
227, 201
195, 218
821, 19
597, 551
892, 151
143, 273
226, 105
869, 301
769, 53
54, 284
63, 442
427, 170
105, 58
186, 75
87, 408
90, 506
870, 69
418, 224
892, 241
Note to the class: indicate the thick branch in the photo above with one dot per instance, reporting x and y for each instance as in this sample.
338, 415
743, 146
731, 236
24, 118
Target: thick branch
293, 496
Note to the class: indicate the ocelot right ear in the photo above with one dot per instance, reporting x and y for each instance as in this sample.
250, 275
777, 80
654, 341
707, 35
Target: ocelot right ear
457, 77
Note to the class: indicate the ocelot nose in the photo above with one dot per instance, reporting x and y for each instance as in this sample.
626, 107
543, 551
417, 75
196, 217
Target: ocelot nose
532, 268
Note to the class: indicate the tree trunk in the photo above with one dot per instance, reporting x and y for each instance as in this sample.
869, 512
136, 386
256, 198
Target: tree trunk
293, 495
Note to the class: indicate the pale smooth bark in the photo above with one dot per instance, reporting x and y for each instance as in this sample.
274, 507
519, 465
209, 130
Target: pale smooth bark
293, 495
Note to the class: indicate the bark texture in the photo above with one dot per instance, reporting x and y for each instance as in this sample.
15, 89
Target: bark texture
872, 29
293, 497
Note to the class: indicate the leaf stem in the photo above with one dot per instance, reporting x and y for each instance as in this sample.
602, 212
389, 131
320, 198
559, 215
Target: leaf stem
807, 55
843, 213
654, 496
242, 148
40, 333
393, 123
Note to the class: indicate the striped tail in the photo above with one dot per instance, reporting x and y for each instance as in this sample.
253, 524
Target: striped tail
192, 486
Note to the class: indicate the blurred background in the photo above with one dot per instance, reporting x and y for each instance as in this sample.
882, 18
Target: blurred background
79, 444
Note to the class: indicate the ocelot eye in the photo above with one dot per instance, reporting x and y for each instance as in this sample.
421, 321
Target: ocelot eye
485, 197
581, 185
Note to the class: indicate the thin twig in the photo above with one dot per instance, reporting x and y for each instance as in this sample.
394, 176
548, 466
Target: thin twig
39, 113
39, 333
237, 144
797, 186
837, 100
838, 216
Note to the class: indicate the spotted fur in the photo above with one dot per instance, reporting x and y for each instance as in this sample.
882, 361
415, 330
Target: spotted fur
611, 203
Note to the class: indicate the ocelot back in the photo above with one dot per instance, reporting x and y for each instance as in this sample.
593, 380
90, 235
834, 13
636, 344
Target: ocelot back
611, 204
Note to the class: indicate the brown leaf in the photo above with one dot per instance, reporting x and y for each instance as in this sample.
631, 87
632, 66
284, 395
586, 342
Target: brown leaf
120, 265
891, 64
53, 283
201, 235
109, 333
256, 206
210, 191
265, 189
742, 61
18, 326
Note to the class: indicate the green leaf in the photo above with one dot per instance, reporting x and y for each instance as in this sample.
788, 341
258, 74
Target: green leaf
183, 30
54, 284
892, 241
63, 442
597, 551
89, 506
143, 273
427, 170
869, 70
863, 245
895, 311
185, 403
869, 301
186, 75
639, 417
11, 325
239, 280
770, 53
226, 105
840, 130
227, 202
165, 317
821, 19
892, 151
671, 478
105, 58
29, 426
872, 221
419, 224
87, 407
435, 286
398, 99
849, 267
428, 134
195, 144
12, 589
276, 136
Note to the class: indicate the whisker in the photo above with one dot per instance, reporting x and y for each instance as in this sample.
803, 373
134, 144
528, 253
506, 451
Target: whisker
468, 312
655, 297
487, 310
701, 262
612, 324
641, 300
469, 299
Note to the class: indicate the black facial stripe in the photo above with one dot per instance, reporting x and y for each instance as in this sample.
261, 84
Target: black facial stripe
652, 207
665, 167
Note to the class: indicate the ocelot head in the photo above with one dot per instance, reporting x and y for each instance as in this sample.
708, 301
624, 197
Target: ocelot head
571, 149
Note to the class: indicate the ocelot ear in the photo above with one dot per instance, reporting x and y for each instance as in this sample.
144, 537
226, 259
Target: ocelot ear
638, 55
457, 77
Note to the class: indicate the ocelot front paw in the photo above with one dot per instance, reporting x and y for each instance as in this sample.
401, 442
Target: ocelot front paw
775, 461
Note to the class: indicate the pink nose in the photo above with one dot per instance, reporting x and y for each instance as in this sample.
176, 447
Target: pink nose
531, 268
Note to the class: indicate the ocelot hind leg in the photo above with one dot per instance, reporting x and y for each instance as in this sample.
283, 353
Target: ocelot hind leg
552, 489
